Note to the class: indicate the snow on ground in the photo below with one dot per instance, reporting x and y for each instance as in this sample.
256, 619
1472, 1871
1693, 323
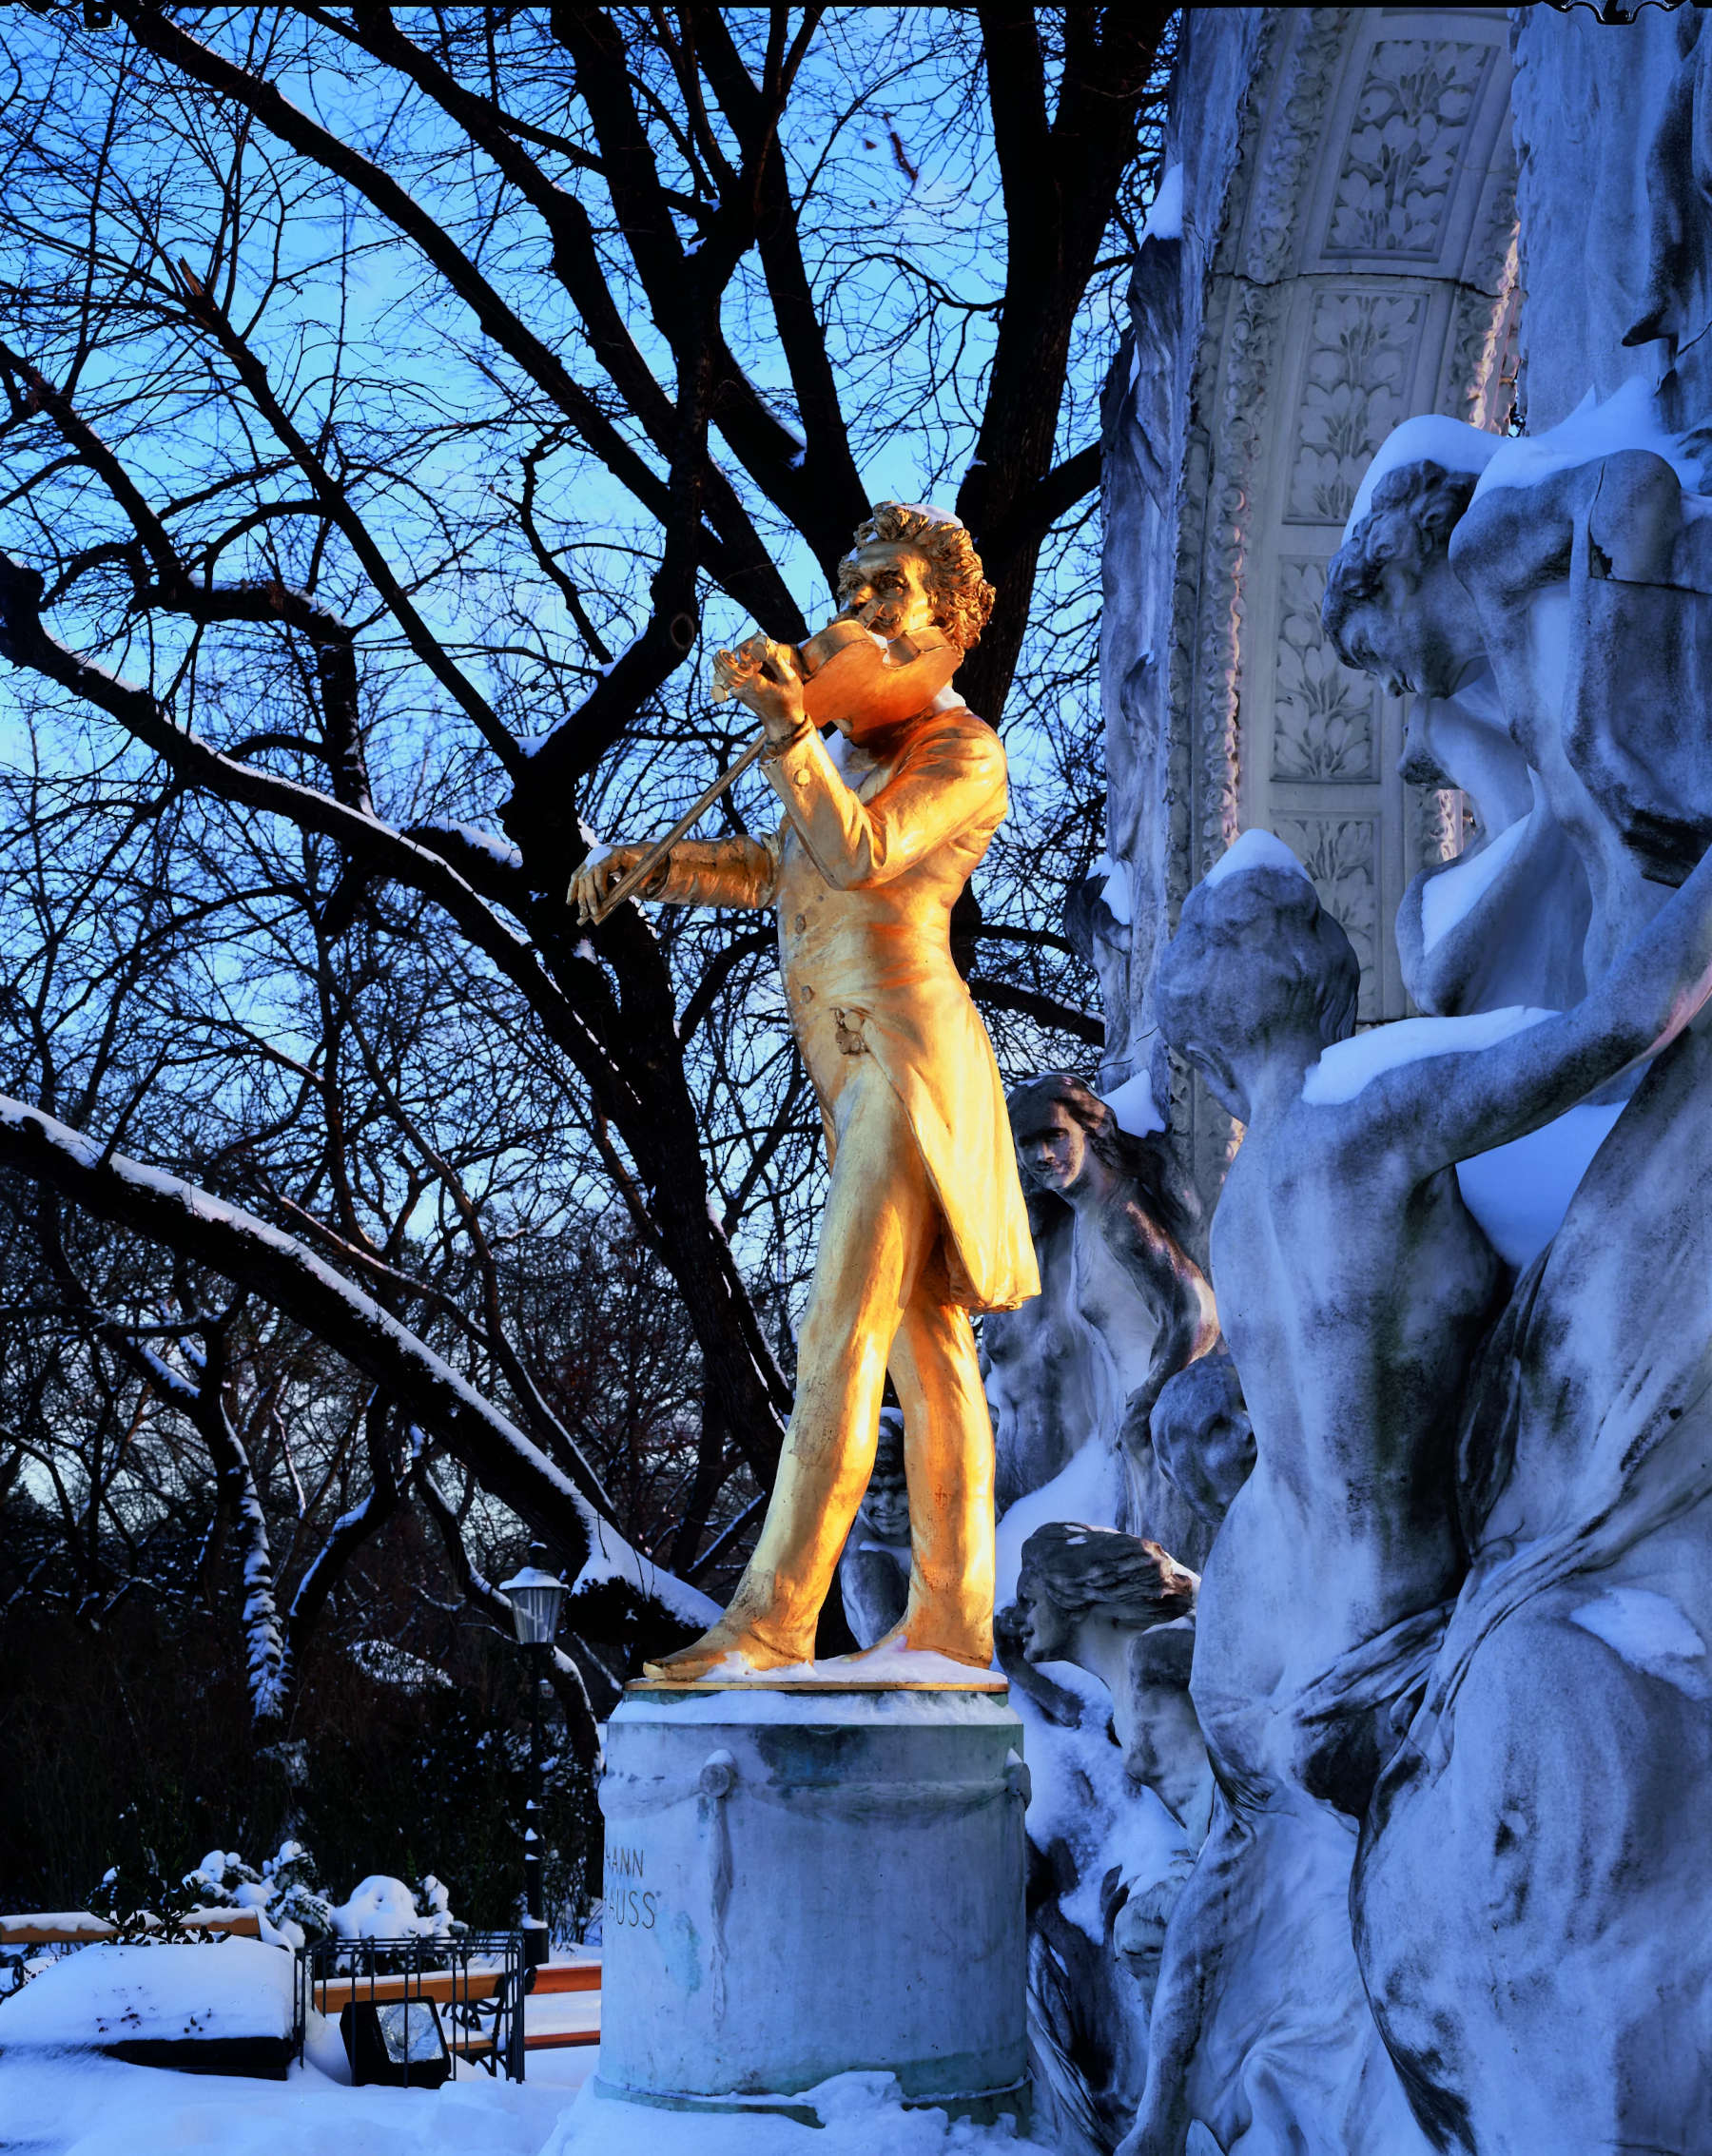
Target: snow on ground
79, 2104
860, 2115
59, 2099
70, 2103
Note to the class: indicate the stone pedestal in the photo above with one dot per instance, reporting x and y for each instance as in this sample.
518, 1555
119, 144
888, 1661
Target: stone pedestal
802, 1884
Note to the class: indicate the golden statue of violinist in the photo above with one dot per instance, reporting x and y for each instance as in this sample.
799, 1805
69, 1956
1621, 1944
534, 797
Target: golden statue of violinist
924, 1220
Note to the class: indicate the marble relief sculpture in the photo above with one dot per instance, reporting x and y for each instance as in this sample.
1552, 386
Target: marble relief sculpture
1567, 1702
1123, 1306
873, 1570
1465, 1776
1453, 1637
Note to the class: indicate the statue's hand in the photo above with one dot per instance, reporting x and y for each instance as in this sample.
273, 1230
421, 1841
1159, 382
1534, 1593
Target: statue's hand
592, 883
763, 675
735, 671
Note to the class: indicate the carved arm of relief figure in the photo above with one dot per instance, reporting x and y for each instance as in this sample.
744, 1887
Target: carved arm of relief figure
1443, 1109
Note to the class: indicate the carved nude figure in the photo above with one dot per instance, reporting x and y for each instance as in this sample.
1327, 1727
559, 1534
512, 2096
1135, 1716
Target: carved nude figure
1203, 1439
1143, 1299
1355, 1286
1503, 923
1046, 1374
1124, 1610
1593, 588
1620, 754
1084, 2043
873, 1573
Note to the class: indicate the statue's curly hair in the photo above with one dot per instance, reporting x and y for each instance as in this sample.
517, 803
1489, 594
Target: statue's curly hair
1083, 1568
1430, 501
963, 598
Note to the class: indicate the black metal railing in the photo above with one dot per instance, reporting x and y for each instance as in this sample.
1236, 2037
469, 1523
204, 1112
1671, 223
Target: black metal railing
476, 1981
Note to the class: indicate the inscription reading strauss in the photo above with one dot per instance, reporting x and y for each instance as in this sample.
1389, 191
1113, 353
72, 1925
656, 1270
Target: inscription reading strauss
630, 1907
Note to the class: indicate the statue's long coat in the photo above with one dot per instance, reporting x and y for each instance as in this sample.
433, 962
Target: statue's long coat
872, 853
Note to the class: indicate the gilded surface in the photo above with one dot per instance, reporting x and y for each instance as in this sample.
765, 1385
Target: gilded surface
924, 1219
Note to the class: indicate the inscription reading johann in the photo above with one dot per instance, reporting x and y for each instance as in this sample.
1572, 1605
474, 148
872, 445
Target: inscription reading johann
630, 1907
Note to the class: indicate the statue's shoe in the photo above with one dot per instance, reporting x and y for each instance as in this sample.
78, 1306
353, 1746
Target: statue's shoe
722, 1648
910, 1640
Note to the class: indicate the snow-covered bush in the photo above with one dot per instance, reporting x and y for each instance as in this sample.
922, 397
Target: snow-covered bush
381, 1907
286, 1895
295, 1908
141, 1900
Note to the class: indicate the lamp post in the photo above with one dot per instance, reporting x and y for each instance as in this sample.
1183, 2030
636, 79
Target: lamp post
535, 1595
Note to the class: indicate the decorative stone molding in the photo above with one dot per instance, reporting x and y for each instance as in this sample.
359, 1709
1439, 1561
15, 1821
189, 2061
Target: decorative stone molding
1347, 258
1361, 346
1341, 853
1326, 720
1401, 161
1281, 153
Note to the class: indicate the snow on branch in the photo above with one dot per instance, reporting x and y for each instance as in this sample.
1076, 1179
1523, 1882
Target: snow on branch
197, 1225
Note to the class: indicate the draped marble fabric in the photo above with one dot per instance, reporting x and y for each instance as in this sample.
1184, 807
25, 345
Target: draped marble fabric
1534, 1900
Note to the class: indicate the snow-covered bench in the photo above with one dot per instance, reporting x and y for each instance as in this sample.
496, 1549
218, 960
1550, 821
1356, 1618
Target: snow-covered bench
220, 2004
559, 1978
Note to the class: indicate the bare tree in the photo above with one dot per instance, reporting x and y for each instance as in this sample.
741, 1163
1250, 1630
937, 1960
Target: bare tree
395, 407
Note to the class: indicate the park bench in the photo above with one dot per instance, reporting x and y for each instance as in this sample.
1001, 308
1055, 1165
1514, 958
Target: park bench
466, 1987
562, 1976
477, 1978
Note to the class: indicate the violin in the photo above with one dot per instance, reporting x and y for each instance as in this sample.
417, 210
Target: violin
851, 677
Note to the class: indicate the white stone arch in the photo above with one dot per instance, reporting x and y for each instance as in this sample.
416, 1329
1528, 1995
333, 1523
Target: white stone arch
1348, 258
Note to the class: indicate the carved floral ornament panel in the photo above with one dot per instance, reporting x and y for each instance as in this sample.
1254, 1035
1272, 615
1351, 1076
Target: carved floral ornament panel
1411, 130
1325, 717
1362, 347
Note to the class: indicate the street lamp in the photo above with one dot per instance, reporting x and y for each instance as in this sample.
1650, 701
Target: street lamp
535, 1595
